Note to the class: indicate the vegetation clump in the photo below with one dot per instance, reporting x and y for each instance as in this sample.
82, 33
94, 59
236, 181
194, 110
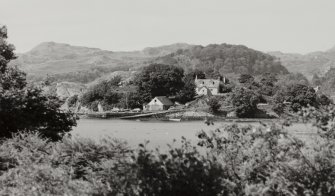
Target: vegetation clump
24, 107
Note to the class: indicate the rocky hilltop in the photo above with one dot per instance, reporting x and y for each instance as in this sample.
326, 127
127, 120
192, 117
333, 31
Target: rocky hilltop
309, 64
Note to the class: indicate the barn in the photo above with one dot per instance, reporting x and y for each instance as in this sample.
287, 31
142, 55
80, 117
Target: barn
158, 103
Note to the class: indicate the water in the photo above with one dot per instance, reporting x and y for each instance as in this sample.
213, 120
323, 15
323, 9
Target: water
159, 133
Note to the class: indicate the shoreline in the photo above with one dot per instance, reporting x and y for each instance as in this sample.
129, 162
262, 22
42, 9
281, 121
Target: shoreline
185, 119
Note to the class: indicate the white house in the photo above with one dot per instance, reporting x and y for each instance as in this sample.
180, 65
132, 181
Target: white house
158, 103
211, 85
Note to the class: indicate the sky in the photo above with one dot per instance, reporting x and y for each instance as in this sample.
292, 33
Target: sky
296, 26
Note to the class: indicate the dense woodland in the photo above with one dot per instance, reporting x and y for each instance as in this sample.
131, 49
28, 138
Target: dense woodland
224, 59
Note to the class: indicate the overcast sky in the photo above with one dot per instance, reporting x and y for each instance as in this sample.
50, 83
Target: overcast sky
287, 25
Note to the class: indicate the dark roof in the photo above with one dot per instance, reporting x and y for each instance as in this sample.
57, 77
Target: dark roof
165, 100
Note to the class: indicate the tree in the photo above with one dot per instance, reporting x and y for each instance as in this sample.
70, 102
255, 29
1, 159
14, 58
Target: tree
245, 78
214, 104
223, 59
226, 88
324, 100
298, 95
159, 80
316, 80
245, 101
196, 74
105, 92
291, 79
187, 93
267, 83
25, 108
111, 97
72, 100
131, 100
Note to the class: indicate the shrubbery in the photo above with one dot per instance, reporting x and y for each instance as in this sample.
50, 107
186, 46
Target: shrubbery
298, 95
30, 164
245, 101
249, 160
214, 104
72, 100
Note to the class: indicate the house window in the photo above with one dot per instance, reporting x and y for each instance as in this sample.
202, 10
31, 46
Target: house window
203, 82
213, 82
155, 100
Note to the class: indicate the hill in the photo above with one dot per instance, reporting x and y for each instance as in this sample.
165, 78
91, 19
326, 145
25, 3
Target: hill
223, 59
165, 50
309, 64
64, 62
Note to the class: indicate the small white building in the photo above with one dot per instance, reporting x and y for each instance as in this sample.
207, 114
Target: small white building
158, 103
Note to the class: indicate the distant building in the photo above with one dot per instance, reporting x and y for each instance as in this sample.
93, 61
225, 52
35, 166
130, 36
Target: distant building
212, 86
158, 103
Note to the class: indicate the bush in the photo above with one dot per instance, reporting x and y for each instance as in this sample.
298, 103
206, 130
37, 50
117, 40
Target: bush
30, 164
72, 100
269, 161
214, 104
234, 160
182, 171
245, 101
323, 100
298, 94
279, 108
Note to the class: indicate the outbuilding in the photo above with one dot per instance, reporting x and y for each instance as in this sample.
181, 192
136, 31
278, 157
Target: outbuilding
158, 103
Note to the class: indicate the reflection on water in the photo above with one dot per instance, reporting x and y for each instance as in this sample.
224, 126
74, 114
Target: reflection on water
157, 132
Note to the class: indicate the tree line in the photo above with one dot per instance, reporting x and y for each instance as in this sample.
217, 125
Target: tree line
153, 80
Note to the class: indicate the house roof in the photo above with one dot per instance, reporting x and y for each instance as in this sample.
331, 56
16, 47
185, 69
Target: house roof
164, 100
210, 83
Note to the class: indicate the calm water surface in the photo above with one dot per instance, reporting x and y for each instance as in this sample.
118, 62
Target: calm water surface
157, 132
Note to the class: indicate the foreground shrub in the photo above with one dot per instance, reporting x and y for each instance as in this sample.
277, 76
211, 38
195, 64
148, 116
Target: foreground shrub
269, 161
31, 164
181, 171
233, 160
